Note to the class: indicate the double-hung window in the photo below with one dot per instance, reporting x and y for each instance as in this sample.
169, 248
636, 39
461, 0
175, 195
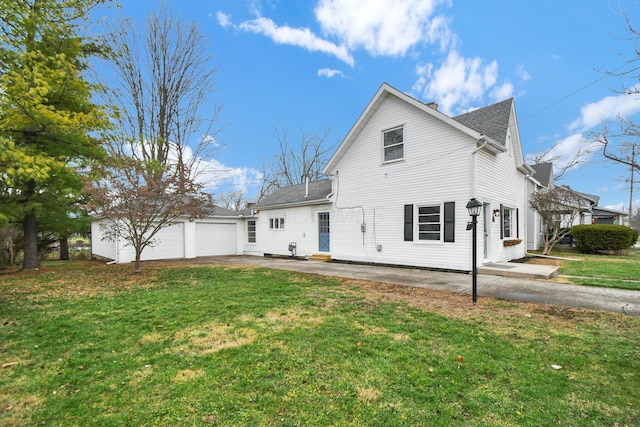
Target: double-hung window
251, 231
276, 223
509, 223
393, 144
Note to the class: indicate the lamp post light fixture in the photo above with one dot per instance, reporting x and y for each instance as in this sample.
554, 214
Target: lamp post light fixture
474, 207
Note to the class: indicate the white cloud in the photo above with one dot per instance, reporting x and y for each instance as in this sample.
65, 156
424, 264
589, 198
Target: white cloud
459, 82
217, 177
224, 20
523, 73
328, 72
610, 107
564, 152
382, 28
301, 37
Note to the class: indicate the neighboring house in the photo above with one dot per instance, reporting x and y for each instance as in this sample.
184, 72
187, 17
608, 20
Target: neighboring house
221, 232
397, 192
541, 179
401, 180
602, 215
591, 213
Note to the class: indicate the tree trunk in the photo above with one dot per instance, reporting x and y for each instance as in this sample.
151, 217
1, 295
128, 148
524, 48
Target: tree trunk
30, 229
64, 248
138, 267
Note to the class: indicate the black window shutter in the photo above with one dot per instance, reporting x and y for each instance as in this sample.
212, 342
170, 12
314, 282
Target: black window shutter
501, 222
449, 221
517, 223
408, 223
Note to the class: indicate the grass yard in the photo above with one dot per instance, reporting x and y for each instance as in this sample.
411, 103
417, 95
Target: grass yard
87, 344
610, 271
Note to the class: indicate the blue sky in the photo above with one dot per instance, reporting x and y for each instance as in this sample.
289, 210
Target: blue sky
314, 65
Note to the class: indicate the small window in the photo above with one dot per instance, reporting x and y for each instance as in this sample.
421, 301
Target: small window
429, 225
251, 231
393, 144
276, 223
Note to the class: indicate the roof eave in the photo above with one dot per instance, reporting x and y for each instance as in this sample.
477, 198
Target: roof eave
293, 204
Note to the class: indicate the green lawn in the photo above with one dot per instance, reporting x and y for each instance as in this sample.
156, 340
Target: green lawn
87, 344
611, 271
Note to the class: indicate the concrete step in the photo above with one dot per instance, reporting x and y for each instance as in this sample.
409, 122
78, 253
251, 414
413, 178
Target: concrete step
320, 257
520, 270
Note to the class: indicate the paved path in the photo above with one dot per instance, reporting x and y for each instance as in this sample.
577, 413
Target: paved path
507, 288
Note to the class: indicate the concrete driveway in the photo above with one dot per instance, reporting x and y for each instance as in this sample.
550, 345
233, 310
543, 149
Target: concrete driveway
493, 286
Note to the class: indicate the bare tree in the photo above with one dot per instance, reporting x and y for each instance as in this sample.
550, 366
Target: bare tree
562, 164
165, 84
558, 207
298, 159
232, 200
622, 147
152, 176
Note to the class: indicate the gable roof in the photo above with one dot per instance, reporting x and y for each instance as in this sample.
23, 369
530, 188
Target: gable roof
293, 195
492, 120
386, 90
543, 173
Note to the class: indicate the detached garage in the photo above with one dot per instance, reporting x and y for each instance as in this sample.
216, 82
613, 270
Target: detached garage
169, 244
223, 232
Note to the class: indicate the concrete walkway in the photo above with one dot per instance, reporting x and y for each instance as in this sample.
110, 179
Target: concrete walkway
489, 285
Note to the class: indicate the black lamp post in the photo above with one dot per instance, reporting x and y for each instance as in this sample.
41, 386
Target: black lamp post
474, 207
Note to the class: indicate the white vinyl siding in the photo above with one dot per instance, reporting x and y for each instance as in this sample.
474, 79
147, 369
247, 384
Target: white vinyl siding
376, 194
99, 246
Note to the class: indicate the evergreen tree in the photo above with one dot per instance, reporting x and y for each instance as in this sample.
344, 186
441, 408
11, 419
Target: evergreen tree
47, 116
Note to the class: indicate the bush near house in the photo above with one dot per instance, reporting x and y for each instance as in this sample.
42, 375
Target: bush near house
603, 237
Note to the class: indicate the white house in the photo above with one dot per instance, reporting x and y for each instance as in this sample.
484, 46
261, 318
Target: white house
542, 178
400, 182
397, 194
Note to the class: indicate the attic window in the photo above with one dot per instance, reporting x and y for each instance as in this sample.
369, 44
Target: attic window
393, 144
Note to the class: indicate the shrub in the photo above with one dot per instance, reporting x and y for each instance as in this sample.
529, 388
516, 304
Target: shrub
602, 237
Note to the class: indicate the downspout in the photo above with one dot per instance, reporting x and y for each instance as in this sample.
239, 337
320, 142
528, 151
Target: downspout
474, 190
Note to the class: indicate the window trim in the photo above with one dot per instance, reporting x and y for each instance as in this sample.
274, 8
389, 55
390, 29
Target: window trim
512, 222
416, 223
384, 148
276, 223
252, 233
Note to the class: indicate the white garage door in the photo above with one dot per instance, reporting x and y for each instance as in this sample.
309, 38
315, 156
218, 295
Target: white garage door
168, 244
215, 239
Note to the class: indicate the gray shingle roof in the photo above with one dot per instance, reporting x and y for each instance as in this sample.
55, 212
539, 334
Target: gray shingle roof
295, 194
220, 211
542, 173
492, 120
